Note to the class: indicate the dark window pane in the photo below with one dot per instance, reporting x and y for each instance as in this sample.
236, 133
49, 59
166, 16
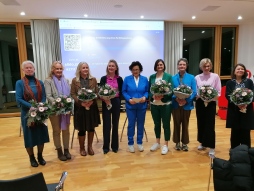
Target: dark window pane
227, 50
9, 67
198, 43
29, 45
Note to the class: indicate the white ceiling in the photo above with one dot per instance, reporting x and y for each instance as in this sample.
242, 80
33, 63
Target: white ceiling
225, 11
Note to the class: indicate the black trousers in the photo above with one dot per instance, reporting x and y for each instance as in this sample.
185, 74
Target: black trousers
240, 136
111, 121
206, 123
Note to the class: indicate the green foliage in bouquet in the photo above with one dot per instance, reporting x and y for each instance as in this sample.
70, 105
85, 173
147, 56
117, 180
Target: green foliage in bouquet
161, 87
62, 105
106, 91
241, 96
207, 93
86, 94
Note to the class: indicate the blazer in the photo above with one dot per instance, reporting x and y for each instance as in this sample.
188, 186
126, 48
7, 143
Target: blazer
168, 78
130, 90
76, 86
236, 119
190, 81
103, 81
51, 91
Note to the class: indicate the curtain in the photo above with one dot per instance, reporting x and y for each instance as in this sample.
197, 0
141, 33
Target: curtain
173, 45
46, 45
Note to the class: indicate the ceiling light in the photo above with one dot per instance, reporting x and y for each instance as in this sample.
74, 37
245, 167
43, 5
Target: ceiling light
118, 6
186, 50
184, 39
193, 17
239, 18
225, 48
141, 16
85, 15
22, 13
203, 32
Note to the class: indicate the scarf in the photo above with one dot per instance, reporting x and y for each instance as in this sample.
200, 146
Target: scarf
28, 93
63, 89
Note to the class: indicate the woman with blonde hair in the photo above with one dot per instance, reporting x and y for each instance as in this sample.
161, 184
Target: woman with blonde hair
57, 85
85, 120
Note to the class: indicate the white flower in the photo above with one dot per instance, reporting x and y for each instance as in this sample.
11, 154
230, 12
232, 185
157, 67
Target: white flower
83, 88
166, 89
53, 103
89, 91
33, 114
237, 89
209, 91
163, 81
58, 99
244, 94
105, 91
41, 109
177, 88
41, 104
202, 88
68, 100
158, 82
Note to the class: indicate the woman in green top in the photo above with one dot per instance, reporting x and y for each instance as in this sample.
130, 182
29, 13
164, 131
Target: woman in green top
161, 112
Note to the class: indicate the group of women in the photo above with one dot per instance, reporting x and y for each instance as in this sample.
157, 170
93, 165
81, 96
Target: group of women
136, 91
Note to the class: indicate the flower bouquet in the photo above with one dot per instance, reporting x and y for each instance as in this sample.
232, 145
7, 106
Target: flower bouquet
86, 95
207, 93
242, 96
38, 113
62, 105
182, 92
159, 88
106, 92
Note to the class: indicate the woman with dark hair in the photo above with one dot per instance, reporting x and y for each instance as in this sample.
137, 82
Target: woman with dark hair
182, 107
85, 120
56, 85
206, 114
111, 116
27, 89
161, 112
135, 92
240, 123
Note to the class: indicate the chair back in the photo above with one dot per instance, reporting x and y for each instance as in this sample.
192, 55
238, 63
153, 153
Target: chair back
35, 182
222, 100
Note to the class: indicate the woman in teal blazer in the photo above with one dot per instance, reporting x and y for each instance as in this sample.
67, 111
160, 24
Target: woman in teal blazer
135, 92
161, 112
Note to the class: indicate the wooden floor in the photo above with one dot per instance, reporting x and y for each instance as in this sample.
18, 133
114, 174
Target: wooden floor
139, 171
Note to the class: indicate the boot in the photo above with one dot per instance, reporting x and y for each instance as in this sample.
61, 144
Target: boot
33, 161
67, 154
90, 142
60, 154
81, 145
41, 159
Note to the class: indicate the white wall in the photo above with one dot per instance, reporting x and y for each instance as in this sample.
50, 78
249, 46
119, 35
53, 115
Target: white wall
246, 46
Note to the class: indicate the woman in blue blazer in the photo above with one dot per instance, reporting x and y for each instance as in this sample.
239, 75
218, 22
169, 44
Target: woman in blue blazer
135, 92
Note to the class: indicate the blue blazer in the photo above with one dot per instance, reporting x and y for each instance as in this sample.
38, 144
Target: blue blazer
130, 90
190, 81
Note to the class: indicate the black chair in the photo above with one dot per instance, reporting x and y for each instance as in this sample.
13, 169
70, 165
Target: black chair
32, 182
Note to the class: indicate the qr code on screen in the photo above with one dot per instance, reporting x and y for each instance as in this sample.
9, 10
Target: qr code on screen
72, 42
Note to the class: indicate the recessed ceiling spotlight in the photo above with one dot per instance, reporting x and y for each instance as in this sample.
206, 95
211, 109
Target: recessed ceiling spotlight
193, 17
118, 6
239, 18
184, 39
85, 15
203, 32
142, 16
22, 13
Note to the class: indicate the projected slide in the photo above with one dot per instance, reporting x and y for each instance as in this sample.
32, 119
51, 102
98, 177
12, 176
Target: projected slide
98, 41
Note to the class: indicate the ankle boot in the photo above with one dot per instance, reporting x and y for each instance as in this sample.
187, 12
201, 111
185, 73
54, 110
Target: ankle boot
41, 159
67, 154
33, 161
60, 155
90, 143
82, 146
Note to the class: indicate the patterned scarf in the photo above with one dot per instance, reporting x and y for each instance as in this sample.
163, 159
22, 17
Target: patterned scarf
28, 93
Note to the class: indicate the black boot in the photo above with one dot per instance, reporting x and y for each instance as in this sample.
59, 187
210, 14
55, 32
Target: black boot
67, 154
41, 159
60, 155
33, 161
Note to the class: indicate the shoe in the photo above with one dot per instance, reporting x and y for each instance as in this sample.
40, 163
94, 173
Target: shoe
140, 148
82, 152
115, 150
60, 155
67, 154
178, 147
155, 147
131, 148
200, 147
33, 161
164, 149
41, 159
105, 151
185, 147
211, 153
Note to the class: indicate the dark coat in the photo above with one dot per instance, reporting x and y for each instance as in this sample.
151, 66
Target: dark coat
235, 118
103, 81
237, 174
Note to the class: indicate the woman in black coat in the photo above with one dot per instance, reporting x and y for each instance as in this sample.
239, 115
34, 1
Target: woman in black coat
240, 123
